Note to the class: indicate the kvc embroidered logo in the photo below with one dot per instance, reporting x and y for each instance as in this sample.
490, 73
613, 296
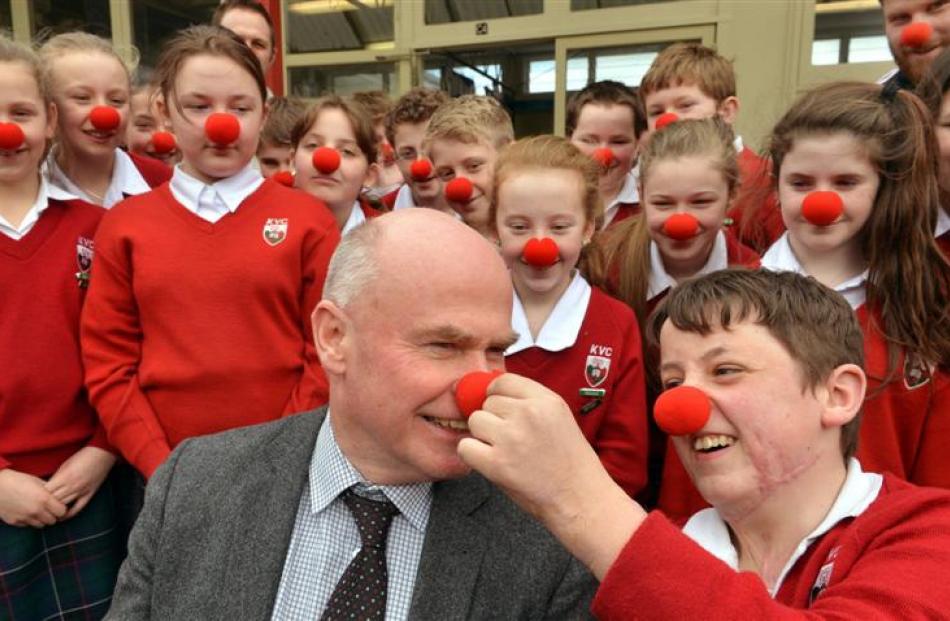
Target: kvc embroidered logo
84, 254
275, 231
597, 366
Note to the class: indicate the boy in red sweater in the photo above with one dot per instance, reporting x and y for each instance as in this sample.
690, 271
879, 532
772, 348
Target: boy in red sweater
772, 363
573, 338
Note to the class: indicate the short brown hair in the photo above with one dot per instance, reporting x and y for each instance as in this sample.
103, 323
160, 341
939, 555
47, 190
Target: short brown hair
470, 119
253, 6
282, 116
549, 153
607, 93
210, 40
416, 106
359, 119
691, 64
376, 104
815, 325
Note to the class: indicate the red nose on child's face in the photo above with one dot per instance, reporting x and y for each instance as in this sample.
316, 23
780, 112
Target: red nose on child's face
541, 252
604, 156
681, 226
420, 169
105, 118
682, 411
222, 128
163, 142
822, 208
916, 35
284, 177
458, 190
11, 137
472, 390
326, 160
666, 119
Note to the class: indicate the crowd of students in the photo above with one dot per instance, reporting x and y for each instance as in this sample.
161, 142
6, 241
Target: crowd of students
163, 243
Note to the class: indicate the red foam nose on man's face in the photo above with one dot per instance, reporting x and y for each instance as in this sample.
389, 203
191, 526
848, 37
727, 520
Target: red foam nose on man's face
326, 160
284, 177
458, 190
822, 208
604, 156
472, 390
666, 119
681, 226
222, 128
682, 411
916, 35
11, 137
541, 252
163, 142
105, 118
420, 169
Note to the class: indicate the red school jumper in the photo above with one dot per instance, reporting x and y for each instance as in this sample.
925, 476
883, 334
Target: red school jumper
756, 216
889, 562
192, 328
45, 416
153, 171
606, 356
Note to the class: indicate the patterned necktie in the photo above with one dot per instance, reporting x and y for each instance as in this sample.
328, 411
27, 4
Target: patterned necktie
361, 591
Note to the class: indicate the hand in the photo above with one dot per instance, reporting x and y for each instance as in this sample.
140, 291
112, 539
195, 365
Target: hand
525, 440
25, 501
78, 478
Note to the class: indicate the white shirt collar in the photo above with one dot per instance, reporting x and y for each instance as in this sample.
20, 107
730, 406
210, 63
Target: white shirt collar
43, 194
562, 326
660, 281
232, 190
943, 222
629, 193
860, 489
404, 198
126, 180
357, 217
738, 144
781, 258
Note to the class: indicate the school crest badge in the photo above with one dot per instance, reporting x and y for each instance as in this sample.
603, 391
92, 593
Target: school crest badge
916, 372
824, 576
84, 254
275, 231
596, 370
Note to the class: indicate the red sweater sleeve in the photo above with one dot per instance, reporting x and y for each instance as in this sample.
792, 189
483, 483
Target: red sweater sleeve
312, 390
932, 465
111, 338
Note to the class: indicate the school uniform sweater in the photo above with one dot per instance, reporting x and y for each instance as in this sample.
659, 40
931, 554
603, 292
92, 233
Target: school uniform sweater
153, 171
192, 328
45, 416
888, 562
755, 213
600, 376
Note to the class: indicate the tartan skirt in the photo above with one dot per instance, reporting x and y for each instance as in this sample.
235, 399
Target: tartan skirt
64, 571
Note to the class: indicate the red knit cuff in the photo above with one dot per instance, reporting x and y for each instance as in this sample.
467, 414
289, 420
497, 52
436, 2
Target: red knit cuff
100, 441
150, 458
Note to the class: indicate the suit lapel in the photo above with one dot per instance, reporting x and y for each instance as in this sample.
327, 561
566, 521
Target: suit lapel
453, 551
263, 510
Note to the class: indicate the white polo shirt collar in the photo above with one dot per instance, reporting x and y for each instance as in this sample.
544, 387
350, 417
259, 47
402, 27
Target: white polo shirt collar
629, 193
357, 217
403, 198
232, 190
126, 181
45, 192
563, 324
660, 280
781, 258
943, 222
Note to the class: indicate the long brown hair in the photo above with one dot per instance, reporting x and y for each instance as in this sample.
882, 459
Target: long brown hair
620, 259
908, 278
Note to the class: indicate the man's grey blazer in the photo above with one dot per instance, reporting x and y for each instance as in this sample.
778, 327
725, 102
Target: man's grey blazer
211, 540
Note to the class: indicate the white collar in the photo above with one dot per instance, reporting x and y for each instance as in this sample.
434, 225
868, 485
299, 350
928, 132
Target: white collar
126, 180
943, 222
628, 194
232, 190
660, 281
738, 144
357, 217
562, 326
781, 258
45, 192
860, 489
404, 198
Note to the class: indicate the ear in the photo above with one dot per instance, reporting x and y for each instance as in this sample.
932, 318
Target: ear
52, 117
843, 395
729, 109
331, 336
588, 231
161, 105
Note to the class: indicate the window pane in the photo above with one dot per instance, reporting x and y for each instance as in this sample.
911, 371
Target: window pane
325, 25
153, 23
541, 75
57, 16
626, 68
868, 49
586, 5
449, 11
6, 22
825, 52
847, 32
313, 82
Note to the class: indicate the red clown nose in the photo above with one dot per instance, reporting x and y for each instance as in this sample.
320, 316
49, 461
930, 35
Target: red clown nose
822, 208
421, 169
11, 137
471, 391
458, 190
665, 119
604, 156
284, 177
916, 35
326, 160
104, 118
682, 411
163, 142
222, 128
681, 226
541, 252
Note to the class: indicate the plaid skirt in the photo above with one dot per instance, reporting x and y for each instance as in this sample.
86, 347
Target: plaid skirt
64, 571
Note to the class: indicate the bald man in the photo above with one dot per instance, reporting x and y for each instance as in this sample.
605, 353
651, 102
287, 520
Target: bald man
362, 508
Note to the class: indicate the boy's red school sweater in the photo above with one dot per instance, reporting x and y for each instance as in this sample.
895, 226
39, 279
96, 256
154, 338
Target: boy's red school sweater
890, 562
616, 427
45, 416
153, 171
192, 328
